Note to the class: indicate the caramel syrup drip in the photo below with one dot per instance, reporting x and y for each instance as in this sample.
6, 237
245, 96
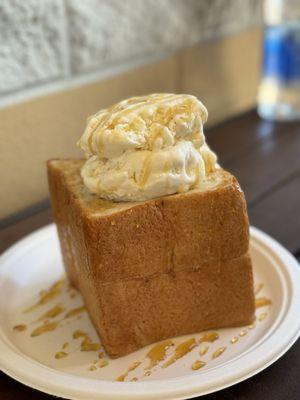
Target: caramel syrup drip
158, 353
20, 328
209, 337
203, 350
262, 316
52, 313
145, 171
87, 344
60, 354
218, 352
234, 340
102, 363
181, 350
198, 364
78, 333
258, 287
243, 333
262, 301
47, 295
74, 311
40, 330
134, 366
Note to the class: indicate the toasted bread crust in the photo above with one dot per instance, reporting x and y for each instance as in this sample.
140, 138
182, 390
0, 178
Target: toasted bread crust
179, 254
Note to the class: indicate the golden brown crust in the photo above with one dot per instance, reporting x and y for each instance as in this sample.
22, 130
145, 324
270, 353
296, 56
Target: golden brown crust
156, 260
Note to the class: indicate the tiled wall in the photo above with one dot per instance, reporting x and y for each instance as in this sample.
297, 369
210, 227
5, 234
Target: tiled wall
46, 42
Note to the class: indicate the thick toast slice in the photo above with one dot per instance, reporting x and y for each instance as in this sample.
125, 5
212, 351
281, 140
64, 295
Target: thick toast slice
159, 268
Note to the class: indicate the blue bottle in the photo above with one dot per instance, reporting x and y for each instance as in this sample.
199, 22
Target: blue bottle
279, 90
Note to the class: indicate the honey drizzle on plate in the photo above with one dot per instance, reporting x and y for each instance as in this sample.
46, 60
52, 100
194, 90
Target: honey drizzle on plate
209, 337
20, 328
203, 350
262, 316
60, 354
47, 295
87, 344
47, 327
155, 355
262, 301
181, 350
258, 287
52, 313
158, 353
134, 366
218, 352
75, 311
198, 364
78, 333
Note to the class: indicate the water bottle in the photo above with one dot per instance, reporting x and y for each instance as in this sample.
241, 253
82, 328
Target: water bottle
279, 90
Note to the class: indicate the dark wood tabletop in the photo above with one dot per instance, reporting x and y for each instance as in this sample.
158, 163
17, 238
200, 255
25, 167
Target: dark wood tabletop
265, 157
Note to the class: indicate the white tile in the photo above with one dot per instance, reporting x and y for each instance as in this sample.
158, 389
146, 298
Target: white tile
33, 43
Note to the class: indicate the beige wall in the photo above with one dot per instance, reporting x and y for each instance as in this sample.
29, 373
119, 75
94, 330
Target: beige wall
223, 73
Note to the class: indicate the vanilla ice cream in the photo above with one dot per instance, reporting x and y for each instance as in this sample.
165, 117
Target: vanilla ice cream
146, 147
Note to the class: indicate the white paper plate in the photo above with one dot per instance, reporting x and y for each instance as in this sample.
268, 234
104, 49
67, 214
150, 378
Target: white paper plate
35, 263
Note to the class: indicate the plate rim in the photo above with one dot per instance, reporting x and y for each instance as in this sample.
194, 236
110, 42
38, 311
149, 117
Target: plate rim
185, 385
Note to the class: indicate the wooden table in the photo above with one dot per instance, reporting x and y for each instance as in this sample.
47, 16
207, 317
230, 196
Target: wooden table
265, 157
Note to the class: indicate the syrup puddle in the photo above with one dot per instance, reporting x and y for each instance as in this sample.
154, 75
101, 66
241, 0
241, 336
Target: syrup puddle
158, 353
181, 350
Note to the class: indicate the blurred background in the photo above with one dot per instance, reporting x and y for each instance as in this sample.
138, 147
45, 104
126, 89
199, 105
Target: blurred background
62, 60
